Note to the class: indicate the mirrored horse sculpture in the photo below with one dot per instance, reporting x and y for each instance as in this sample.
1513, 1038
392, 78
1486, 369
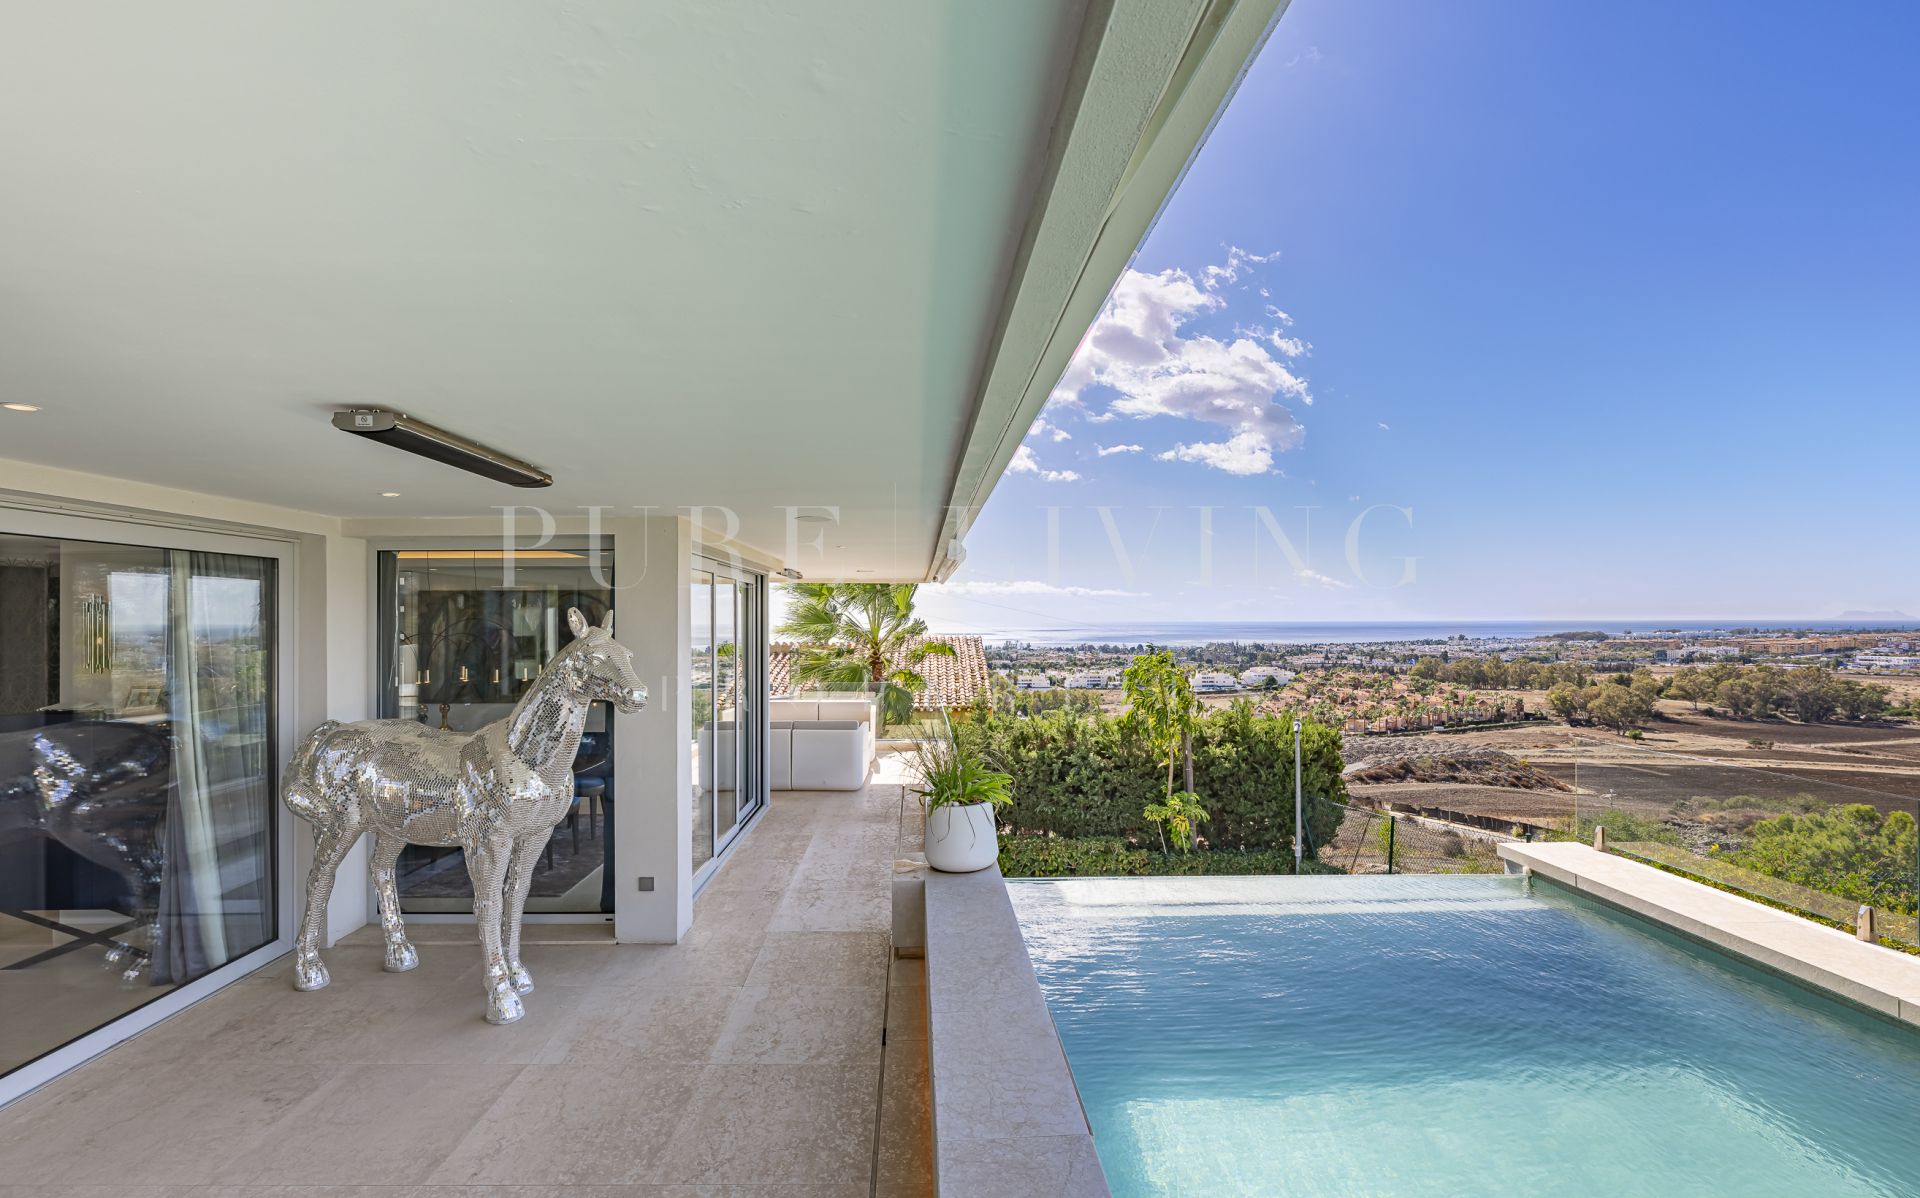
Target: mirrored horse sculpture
496, 794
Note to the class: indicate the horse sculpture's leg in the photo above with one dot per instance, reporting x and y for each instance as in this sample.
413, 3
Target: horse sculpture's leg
526, 851
487, 867
400, 955
332, 848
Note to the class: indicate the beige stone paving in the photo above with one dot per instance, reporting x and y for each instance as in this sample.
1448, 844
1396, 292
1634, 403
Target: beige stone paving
745, 1062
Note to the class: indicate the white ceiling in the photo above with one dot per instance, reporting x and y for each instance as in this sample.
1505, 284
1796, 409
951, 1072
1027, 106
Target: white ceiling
724, 253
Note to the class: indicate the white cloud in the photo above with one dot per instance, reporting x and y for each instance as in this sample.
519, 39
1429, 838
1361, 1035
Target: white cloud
1138, 348
1293, 347
1109, 450
1244, 453
1053, 432
1235, 265
1102, 418
1309, 56
1028, 587
1307, 574
1024, 462
1384, 428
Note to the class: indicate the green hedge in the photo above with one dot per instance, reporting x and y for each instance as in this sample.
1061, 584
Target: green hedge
1112, 857
1078, 775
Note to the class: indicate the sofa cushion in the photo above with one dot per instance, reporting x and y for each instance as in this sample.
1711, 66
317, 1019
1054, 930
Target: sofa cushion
846, 709
780, 757
793, 709
829, 758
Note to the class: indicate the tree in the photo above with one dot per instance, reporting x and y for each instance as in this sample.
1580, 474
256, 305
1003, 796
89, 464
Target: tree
1160, 706
1620, 707
1564, 700
1178, 817
860, 636
1690, 685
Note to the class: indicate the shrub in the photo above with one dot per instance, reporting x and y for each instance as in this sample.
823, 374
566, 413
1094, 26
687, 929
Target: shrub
1852, 851
1061, 857
1110, 856
1080, 775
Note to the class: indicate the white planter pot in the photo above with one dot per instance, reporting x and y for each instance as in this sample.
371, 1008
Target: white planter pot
962, 838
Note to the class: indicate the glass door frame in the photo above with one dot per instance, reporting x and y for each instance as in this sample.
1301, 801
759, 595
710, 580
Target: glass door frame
155, 531
750, 631
378, 662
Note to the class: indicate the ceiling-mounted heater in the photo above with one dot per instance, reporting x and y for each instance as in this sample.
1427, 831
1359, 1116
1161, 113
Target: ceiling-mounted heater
417, 436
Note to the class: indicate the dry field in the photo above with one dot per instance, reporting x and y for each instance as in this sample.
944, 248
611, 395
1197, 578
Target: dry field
1682, 758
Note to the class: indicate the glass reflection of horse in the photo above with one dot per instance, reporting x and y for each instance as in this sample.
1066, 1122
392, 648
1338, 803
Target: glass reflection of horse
496, 793
98, 788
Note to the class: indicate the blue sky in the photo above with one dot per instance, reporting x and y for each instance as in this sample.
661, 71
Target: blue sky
1621, 302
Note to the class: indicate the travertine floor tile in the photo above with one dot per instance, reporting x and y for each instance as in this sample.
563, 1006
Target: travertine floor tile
573, 1124
744, 1062
801, 1025
777, 1123
373, 1124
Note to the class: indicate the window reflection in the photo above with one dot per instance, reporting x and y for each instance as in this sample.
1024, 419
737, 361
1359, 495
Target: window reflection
463, 639
136, 769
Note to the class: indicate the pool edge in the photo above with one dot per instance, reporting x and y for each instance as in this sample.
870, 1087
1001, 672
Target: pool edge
1007, 1115
1877, 980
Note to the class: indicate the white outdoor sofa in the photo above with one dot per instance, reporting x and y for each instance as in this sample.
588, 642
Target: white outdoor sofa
819, 744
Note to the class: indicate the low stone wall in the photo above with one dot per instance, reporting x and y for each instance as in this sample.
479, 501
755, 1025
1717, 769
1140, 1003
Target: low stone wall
1007, 1119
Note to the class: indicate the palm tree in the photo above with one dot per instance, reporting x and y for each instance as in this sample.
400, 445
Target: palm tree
856, 635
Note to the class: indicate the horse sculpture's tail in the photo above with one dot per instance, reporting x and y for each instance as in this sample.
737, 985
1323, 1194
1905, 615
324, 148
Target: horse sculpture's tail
301, 790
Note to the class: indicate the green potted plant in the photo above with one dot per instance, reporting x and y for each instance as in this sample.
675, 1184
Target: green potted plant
960, 795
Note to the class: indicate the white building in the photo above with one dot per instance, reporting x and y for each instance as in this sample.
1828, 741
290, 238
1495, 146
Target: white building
1256, 676
1886, 662
653, 256
1033, 682
1095, 680
1214, 681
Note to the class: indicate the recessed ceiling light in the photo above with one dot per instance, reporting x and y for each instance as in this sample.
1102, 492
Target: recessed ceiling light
20, 407
389, 494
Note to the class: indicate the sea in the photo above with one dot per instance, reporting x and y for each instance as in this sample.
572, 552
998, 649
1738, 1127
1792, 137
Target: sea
1375, 632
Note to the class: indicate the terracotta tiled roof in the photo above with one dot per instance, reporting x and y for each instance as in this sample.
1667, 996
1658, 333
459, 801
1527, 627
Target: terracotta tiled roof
951, 681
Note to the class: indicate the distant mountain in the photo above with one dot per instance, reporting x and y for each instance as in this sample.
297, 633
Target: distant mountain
1883, 616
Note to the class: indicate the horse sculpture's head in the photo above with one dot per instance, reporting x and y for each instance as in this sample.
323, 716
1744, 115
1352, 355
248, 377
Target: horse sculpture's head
601, 667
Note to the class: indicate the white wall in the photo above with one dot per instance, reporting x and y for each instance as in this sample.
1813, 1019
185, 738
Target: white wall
350, 636
653, 826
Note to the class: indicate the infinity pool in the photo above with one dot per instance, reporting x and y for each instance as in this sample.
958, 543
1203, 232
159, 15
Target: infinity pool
1451, 1036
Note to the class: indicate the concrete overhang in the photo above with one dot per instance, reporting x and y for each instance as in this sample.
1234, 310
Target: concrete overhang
825, 262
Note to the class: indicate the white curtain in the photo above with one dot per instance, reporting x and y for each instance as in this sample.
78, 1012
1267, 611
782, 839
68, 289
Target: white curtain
216, 899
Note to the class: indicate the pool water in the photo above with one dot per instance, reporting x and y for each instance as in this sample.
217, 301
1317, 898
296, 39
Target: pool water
1451, 1036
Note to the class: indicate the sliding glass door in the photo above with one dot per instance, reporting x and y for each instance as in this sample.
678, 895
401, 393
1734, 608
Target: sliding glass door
464, 634
137, 810
729, 712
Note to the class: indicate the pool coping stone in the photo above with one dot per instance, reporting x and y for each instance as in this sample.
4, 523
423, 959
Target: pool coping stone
1007, 1116
1876, 978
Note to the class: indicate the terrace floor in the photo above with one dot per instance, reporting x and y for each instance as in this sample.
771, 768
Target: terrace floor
744, 1062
